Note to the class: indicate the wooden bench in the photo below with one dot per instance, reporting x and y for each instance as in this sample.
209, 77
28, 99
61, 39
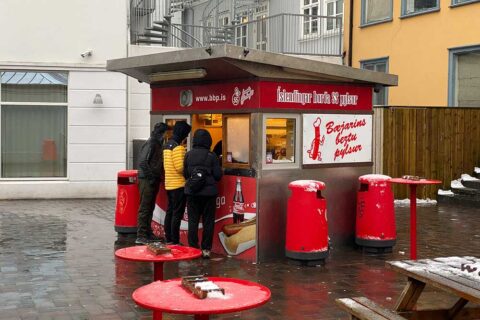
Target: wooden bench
364, 309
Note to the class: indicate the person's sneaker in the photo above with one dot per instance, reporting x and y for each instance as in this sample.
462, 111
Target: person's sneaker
206, 254
141, 240
154, 238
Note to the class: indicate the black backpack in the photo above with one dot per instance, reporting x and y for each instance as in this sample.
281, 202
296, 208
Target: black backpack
197, 179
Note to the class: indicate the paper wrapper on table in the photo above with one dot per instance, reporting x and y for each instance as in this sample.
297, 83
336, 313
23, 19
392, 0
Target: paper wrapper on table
158, 248
201, 286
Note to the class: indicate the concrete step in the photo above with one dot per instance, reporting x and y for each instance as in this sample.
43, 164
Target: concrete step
470, 183
154, 35
462, 200
152, 41
466, 191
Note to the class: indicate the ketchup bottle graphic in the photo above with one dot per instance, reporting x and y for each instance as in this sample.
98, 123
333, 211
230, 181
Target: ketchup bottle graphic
238, 203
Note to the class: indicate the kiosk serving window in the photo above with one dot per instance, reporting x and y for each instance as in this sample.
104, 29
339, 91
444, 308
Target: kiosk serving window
236, 149
281, 141
170, 121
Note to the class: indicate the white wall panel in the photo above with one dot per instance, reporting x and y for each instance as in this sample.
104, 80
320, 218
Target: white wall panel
139, 117
84, 98
140, 132
57, 31
138, 87
96, 116
96, 153
140, 101
94, 171
97, 134
97, 80
57, 189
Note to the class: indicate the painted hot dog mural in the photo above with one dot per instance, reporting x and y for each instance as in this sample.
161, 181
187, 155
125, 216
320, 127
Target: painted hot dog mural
234, 239
314, 151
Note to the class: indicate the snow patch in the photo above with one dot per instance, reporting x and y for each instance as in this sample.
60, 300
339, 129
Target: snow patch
375, 177
457, 184
476, 170
308, 185
406, 202
445, 193
467, 177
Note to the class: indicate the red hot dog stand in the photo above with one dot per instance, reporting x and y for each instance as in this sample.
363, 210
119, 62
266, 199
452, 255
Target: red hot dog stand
279, 118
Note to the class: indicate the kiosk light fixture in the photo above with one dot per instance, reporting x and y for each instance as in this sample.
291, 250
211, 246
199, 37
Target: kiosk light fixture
178, 75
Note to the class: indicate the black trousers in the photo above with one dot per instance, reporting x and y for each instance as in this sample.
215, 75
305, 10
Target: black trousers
199, 206
175, 210
148, 193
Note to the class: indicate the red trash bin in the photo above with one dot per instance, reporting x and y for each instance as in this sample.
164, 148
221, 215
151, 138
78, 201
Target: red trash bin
307, 229
128, 196
375, 222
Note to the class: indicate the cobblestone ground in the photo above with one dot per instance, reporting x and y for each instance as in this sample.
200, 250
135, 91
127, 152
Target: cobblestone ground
57, 262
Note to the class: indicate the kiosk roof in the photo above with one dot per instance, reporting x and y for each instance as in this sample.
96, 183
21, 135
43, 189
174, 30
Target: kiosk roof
225, 62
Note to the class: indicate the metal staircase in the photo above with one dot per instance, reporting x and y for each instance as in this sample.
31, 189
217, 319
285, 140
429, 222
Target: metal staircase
247, 24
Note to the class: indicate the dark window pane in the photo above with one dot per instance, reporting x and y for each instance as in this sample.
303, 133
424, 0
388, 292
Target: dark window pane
34, 141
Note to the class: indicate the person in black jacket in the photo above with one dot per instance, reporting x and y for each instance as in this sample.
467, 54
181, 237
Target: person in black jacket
150, 173
202, 202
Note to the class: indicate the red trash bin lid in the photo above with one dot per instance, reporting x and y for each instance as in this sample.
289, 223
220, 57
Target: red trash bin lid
373, 179
127, 173
307, 185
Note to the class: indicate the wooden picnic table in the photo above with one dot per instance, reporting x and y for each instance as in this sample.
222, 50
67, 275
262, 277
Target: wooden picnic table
458, 276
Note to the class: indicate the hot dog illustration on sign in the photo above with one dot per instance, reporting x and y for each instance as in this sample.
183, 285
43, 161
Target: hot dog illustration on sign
314, 151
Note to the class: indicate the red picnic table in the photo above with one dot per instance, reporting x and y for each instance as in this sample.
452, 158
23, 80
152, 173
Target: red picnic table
170, 296
142, 254
413, 208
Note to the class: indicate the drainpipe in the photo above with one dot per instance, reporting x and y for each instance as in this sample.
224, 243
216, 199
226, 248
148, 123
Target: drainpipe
350, 34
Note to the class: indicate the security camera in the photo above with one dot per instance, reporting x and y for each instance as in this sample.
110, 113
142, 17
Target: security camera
87, 53
377, 88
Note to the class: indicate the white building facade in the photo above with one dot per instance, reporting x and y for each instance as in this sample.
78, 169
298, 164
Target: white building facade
67, 125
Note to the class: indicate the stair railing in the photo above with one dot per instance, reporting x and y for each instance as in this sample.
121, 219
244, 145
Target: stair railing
144, 13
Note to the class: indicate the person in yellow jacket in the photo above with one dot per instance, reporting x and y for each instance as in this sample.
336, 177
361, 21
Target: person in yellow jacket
173, 157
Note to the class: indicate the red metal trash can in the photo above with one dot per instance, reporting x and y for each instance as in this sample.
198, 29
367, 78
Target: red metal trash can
375, 222
128, 196
307, 229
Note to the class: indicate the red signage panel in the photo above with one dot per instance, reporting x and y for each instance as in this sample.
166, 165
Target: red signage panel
236, 96
219, 96
285, 95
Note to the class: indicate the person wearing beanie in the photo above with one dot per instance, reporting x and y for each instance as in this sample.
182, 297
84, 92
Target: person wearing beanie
201, 203
173, 156
150, 173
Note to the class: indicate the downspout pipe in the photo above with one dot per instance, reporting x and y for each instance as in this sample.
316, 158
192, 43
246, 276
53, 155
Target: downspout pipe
350, 34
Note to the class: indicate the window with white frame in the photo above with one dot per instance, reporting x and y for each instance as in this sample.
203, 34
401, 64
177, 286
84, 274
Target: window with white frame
260, 27
311, 11
281, 141
380, 65
464, 82
334, 8
241, 32
376, 11
33, 124
418, 6
454, 2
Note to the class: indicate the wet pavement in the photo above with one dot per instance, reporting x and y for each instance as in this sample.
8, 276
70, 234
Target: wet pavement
57, 262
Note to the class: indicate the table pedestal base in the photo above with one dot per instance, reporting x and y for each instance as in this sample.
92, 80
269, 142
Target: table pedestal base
157, 315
